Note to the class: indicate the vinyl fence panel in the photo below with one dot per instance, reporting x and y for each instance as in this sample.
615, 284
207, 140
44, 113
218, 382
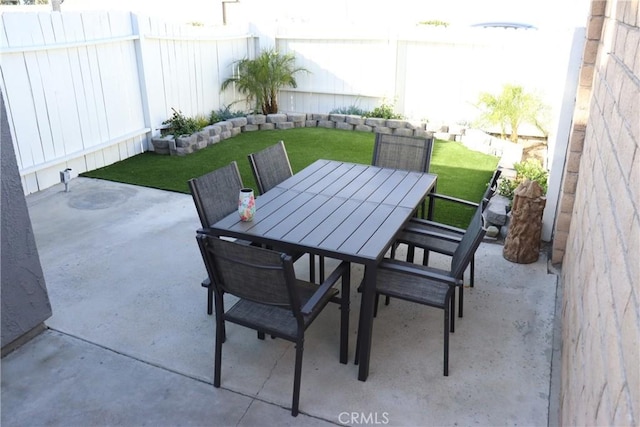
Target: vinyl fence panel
426, 74
185, 67
342, 72
84, 90
72, 91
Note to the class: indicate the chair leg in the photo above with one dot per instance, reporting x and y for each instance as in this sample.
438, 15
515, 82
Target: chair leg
260, 335
220, 309
344, 316
425, 257
296, 379
356, 359
411, 252
312, 269
220, 338
452, 310
460, 298
206, 283
375, 307
218, 357
224, 325
472, 271
446, 342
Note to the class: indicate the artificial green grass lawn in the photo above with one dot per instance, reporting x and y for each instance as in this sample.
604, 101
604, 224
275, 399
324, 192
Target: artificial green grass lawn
461, 172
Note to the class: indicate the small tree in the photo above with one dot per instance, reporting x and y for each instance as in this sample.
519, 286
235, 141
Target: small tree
512, 107
260, 79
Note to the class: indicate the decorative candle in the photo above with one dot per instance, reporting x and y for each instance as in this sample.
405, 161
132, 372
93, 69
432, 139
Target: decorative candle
246, 204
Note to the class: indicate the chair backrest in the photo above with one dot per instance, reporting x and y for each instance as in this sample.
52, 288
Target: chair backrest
492, 188
270, 166
402, 152
250, 272
216, 193
468, 244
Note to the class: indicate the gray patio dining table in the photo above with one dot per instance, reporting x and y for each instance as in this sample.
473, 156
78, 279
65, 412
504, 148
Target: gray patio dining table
346, 211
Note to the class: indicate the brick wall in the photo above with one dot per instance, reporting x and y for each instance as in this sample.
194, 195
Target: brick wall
598, 227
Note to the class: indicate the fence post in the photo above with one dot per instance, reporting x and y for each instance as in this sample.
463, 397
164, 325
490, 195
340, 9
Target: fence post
142, 79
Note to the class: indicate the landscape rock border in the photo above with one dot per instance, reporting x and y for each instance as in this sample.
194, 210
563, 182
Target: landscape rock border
473, 139
186, 144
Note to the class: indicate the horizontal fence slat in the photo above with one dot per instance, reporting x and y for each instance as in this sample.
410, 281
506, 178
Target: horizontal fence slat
69, 45
87, 151
197, 39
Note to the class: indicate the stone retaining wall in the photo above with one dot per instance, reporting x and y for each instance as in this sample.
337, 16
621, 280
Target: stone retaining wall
473, 139
186, 144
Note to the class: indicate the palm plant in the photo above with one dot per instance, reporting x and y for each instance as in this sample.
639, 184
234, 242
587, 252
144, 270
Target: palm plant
513, 106
261, 78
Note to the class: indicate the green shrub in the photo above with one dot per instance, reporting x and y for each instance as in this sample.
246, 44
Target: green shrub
201, 121
530, 169
507, 187
385, 111
182, 125
351, 110
434, 23
224, 113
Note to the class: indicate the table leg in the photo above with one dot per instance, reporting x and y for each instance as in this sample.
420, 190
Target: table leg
432, 201
366, 321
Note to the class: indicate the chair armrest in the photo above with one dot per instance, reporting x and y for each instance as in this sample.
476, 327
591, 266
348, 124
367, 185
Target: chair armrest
420, 271
206, 283
325, 287
452, 199
418, 222
428, 233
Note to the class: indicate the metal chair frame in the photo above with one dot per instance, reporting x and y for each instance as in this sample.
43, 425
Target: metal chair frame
271, 299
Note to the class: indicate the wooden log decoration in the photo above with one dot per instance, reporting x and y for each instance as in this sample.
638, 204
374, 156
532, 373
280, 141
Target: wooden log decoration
522, 244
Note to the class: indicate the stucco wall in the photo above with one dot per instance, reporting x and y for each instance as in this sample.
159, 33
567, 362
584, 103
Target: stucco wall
25, 302
599, 224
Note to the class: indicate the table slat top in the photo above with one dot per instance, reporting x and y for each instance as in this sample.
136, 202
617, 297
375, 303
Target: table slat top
343, 210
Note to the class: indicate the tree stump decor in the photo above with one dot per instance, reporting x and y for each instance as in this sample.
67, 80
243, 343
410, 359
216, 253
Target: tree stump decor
522, 244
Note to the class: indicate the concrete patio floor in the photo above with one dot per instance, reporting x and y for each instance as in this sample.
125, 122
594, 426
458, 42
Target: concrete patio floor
130, 343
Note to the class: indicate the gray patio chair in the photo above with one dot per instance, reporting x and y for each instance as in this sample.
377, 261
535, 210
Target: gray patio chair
270, 167
433, 287
270, 298
403, 152
215, 196
441, 238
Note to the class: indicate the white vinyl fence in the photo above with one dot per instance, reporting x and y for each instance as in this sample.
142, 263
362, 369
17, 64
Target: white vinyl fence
433, 74
84, 90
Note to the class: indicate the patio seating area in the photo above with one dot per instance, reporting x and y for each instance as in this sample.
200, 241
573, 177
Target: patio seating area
130, 341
